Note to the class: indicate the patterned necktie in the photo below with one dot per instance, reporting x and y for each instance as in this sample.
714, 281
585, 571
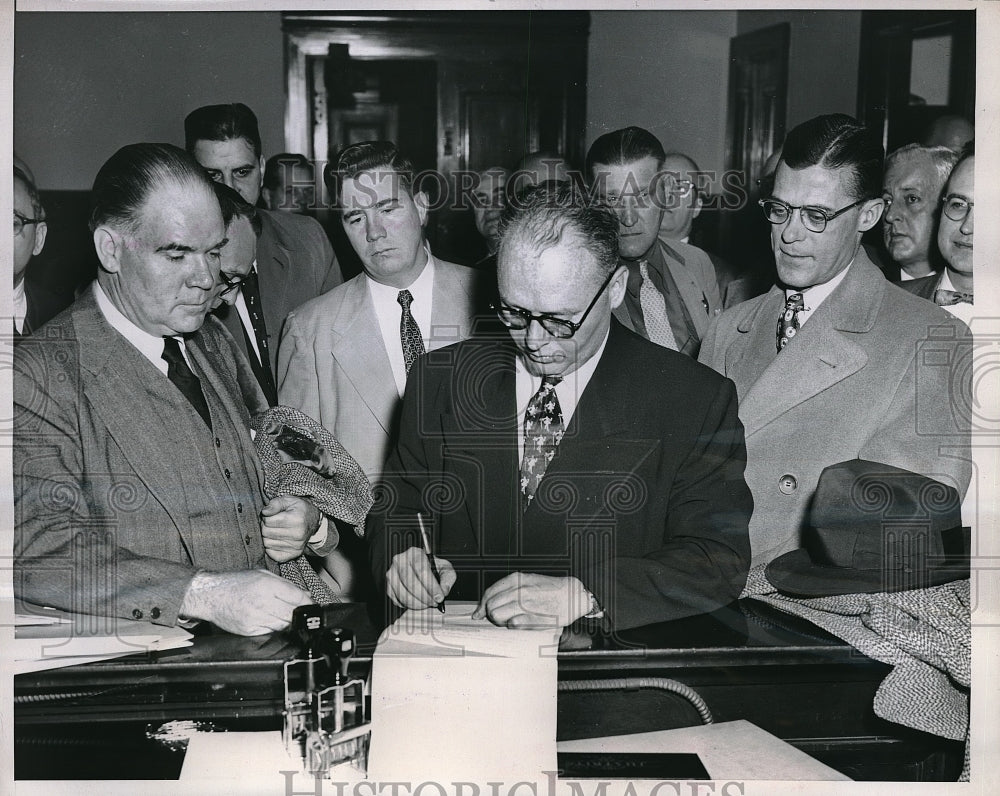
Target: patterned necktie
945, 298
788, 322
409, 332
543, 430
180, 373
654, 311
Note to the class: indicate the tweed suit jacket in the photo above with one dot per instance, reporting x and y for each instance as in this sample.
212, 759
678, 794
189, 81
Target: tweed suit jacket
875, 373
295, 263
121, 493
333, 366
645, 500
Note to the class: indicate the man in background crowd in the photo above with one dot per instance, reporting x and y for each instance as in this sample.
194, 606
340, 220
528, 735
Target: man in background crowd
34, 304
295, 261
914, 177
952, 288
673, 293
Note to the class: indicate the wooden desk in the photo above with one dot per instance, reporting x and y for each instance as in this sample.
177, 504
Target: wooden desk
747, 662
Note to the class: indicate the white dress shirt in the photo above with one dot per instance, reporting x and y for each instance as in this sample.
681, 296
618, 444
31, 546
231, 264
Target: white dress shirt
389, 312
149, 345
568, 391
813, 296
20, 306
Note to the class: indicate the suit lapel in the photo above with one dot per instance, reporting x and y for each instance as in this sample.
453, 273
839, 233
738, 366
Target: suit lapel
117, 380
754, 348
359, 350
691, 293
821, 355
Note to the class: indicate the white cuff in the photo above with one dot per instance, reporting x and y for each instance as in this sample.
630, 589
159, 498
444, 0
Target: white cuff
319, 538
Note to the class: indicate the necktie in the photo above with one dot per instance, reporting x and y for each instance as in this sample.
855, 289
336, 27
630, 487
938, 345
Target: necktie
543, 430
180, 373
654, 311
945, 298
251, 295
409, 332
788, 323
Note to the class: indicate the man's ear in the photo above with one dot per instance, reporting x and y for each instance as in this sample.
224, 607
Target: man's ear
260, 163
41, 229
698, 204
422, 203
108, 243
871, 212
616, 289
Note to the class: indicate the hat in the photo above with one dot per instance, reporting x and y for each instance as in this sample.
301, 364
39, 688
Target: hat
876, 528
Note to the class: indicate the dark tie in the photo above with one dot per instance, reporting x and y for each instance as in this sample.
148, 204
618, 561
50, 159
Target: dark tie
180, 373
262, 368
409, 332
945, 298
788, 323
543, 430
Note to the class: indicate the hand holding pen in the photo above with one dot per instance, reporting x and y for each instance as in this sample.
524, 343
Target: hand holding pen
430, 557
415, 579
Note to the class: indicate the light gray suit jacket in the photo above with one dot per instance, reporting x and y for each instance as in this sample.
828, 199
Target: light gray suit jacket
121, 492
332, 363
875, 373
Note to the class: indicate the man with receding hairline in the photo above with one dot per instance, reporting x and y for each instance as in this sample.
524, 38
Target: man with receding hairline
569, 470
137, 489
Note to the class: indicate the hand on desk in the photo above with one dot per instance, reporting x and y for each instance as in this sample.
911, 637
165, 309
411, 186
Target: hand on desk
526, 599
248, 603
409, 582
286, 523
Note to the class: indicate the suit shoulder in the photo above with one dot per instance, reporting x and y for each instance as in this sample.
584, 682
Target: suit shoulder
661, 368
293, 230
324, 307
904, 308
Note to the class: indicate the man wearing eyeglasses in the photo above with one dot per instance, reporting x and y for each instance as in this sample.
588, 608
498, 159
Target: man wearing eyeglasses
34, 304
569, 469
952, 288
836, 363
672, 292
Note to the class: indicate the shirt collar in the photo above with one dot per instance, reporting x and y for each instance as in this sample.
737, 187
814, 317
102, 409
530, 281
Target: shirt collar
149, 345
813, 296
421, 288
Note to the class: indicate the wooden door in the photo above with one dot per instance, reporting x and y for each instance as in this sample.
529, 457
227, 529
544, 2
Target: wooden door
457, 91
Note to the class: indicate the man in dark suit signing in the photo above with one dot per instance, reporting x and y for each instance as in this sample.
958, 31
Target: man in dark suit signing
137, 489
571, 469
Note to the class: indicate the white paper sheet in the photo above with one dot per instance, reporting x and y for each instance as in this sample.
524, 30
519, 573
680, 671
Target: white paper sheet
469, 702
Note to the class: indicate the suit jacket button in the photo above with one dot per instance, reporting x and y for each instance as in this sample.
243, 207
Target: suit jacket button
787, 484
218, 442
154, 613
227, 473
136, 614
247, 538
239, 508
